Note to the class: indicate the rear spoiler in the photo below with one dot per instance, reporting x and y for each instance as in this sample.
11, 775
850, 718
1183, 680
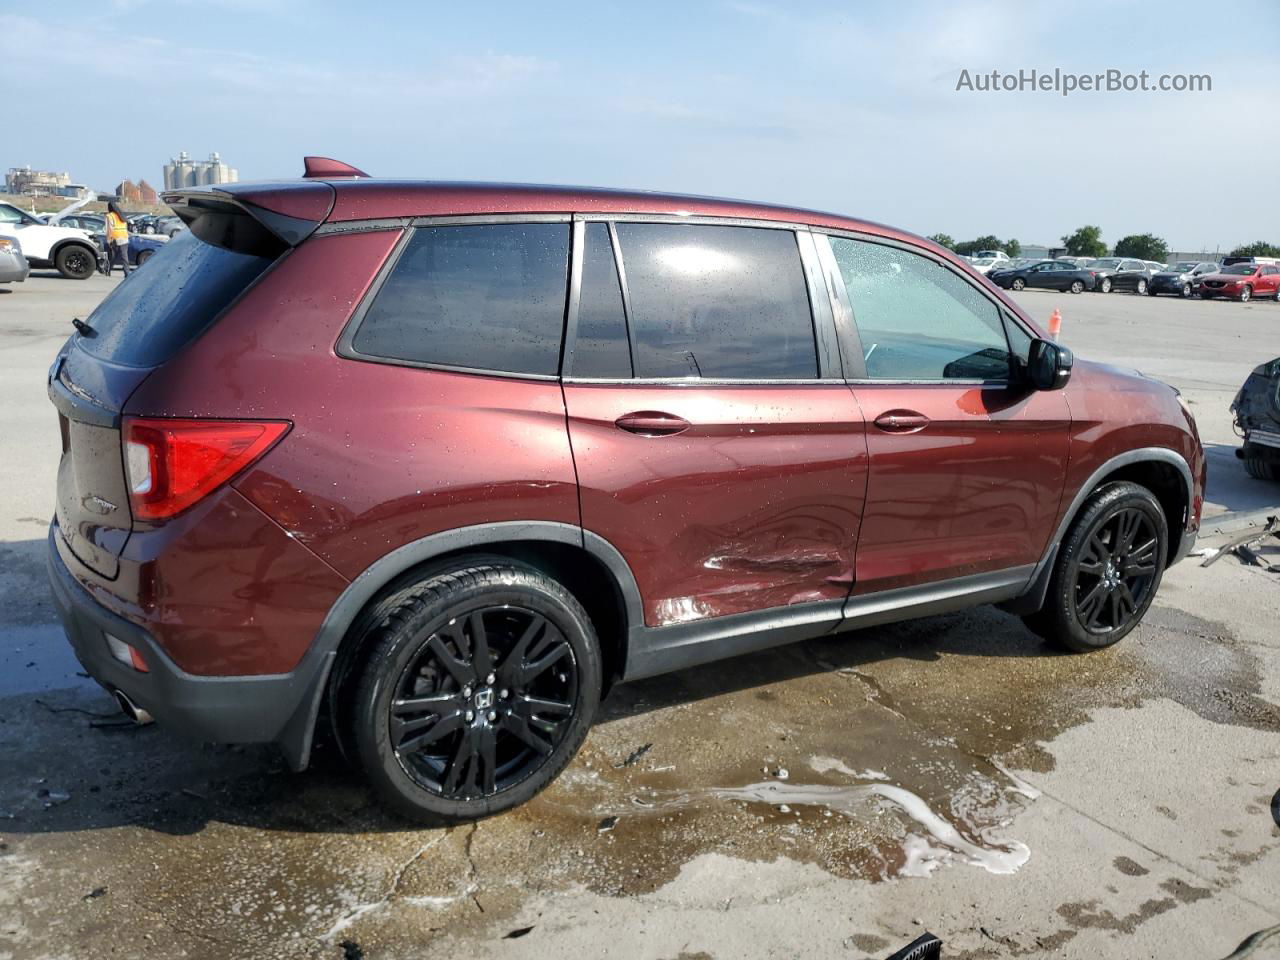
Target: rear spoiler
262, 219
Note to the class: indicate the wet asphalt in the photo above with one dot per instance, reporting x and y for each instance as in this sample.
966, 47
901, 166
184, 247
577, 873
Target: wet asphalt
833, 798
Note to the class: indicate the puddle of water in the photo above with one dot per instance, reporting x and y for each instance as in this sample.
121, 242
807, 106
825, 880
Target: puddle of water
33, 659
828, 764
922, 857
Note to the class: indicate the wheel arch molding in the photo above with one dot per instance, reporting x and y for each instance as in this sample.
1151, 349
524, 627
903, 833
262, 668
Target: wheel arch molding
518, 540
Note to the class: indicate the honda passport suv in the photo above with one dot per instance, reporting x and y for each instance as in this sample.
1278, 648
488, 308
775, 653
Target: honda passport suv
434, 464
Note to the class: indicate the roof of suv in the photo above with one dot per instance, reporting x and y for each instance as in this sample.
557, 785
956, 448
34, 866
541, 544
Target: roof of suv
374, 199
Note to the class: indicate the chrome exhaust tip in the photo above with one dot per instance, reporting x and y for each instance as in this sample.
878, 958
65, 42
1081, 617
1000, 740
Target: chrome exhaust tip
131, 709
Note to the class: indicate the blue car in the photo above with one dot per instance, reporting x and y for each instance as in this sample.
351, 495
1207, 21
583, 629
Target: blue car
141, 247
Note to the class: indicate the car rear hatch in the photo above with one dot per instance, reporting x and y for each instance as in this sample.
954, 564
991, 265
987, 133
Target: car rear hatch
236, 233
1257, 404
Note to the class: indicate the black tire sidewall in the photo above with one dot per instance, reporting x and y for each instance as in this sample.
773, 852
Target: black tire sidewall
66, 253
1058, 621
398, 644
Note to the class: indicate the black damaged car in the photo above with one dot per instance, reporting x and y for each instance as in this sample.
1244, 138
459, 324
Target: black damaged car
1182, 278
1045, 275
1257, 420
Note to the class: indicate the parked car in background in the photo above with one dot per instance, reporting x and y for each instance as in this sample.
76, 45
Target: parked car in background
1242, 281
1256, 408
1232, 261
66, 249
1121, 273
991, 255
90, 223
169, 226
1045, 275
13, 265
786, 424
984, 264
1181, 278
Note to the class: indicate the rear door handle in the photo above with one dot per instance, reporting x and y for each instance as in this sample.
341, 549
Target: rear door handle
652, 423
901, 421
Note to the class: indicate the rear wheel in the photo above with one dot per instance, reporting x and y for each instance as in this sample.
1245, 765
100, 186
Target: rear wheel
1077, 286
143, 257
76, 262
1246, 294
1018, 283
1261, 469
474, 692
1107, 570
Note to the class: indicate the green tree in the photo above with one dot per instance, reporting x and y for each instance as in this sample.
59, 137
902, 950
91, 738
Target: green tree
1013, 248
969, 247
1258, 248
1143, 246
943, 240
1085, 242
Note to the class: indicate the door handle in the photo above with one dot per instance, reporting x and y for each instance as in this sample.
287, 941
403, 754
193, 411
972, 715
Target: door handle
901, 421
651, 423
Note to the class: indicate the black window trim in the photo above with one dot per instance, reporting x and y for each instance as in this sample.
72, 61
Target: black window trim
345, 346
851, 340
820, 311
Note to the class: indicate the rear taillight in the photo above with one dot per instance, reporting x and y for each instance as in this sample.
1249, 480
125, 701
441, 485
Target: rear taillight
173, 464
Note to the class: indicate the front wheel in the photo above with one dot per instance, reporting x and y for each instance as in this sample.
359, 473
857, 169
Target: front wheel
1186, 290
1077, 286
1105, 285
474, 691
1142, 286
1246, 294
1107, 570
76, 262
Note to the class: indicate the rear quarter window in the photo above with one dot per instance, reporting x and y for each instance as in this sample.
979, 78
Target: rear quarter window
487, 297
169, 301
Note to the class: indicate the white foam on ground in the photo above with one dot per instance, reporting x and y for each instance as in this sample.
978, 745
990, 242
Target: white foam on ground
828, 764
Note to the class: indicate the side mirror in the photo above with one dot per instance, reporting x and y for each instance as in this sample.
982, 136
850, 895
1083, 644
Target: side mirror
1048, 365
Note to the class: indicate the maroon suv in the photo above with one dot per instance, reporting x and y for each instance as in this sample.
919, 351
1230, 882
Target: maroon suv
437, 463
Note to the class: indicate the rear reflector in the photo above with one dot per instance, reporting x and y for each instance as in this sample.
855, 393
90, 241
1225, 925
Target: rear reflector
173, 464
126, 654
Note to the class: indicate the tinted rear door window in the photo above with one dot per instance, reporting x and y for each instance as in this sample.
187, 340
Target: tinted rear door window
169, 301
718, 302
487, 297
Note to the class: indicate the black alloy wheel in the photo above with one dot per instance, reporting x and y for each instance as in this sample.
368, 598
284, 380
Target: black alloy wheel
76, 262
484, 702
469, 689
1107, 569
1114, 572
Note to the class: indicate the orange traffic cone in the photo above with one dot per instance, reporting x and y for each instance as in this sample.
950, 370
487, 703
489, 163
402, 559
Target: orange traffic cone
1055, 323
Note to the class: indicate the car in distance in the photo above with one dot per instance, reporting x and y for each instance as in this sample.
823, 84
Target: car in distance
1121, 273
13, 265
1045, 275
1256, 411
68, 250
1242, 281
782, 424
1181, 278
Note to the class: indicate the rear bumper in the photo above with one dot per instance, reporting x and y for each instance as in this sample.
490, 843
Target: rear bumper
273, 708
13, 268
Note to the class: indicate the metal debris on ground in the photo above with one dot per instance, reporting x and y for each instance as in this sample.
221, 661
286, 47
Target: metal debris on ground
607, 824
634, 756
924, 947
1242, 546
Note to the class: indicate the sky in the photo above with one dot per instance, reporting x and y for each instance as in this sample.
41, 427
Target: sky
848, 107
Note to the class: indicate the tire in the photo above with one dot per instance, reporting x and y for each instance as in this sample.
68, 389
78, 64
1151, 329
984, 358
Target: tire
497, 749
1261, 469
143, 257
1142, 286
1018, 283
1186, 290
1077, 286
1091, 602
76, 262
1105, 284
1246, 293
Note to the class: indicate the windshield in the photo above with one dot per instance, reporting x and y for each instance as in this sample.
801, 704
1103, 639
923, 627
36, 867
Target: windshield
1241, 269
169, 301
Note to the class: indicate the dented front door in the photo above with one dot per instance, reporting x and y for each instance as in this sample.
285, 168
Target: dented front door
723, 498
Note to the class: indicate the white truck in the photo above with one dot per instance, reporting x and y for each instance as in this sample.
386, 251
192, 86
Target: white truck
70, 251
